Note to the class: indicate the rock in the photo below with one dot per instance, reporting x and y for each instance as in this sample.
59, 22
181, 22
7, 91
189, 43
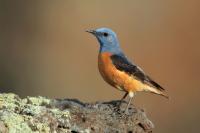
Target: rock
43, 115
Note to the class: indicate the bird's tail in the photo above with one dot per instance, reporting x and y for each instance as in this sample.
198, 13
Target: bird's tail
164, 95
159, 92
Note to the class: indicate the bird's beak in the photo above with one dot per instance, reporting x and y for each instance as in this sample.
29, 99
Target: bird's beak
91, 31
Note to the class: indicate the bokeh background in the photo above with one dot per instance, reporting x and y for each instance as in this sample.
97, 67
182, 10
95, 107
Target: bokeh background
44, 50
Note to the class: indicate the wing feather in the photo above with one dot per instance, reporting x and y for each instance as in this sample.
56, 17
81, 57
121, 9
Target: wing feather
123, 64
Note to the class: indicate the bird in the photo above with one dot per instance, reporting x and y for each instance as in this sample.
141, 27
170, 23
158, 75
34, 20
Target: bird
118, 71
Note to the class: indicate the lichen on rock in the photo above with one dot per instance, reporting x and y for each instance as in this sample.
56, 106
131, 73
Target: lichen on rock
43, 115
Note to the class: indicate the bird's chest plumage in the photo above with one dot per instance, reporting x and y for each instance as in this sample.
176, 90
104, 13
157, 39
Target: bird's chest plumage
118, 79
108, 71
106, 68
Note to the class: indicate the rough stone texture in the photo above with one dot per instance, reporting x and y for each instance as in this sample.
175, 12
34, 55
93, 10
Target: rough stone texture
43, 115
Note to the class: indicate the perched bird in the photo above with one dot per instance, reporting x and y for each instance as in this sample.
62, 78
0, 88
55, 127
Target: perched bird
118, 71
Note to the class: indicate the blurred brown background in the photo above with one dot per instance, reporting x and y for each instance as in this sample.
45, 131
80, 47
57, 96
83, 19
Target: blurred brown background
45, 51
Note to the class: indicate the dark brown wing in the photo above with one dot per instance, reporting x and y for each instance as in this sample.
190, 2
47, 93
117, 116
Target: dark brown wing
122, 64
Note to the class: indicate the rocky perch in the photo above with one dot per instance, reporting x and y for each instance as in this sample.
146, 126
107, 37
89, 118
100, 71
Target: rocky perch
43, 115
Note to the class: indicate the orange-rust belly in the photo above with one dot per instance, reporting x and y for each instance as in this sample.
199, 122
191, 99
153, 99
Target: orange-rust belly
116, 78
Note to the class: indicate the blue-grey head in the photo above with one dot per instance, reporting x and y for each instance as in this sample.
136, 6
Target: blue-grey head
107, 39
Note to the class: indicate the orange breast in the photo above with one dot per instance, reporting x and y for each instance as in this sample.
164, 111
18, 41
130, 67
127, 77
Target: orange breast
116, 78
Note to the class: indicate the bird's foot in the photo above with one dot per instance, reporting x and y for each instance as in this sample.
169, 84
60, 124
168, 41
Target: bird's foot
117, 108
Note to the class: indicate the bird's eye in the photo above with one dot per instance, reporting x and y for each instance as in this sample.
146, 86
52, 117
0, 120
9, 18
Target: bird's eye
105, 34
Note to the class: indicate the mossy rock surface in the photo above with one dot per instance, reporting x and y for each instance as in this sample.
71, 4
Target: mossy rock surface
43, 115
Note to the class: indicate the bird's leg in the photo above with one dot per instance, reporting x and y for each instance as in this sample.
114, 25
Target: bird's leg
120, 102
125, 95
131, 95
